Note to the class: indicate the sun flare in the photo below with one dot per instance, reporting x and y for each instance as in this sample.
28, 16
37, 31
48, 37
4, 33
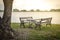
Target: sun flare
31, 4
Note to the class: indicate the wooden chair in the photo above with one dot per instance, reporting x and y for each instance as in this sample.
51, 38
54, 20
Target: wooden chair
24, 20
46, 21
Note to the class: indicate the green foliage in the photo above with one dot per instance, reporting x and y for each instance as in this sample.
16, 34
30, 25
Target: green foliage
23, 10
32, 10
55, 10
15, 10
37, 10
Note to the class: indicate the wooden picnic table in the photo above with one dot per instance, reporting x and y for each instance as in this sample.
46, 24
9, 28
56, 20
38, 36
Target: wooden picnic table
35, 21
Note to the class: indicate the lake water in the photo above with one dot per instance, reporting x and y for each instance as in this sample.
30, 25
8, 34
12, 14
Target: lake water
36, 15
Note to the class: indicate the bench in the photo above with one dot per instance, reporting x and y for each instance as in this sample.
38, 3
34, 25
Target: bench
24, 20
46, 21
37, 22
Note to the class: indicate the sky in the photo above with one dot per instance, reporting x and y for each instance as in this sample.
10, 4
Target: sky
34, 4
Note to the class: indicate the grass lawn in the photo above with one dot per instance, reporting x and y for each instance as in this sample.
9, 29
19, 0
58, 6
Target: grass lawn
46, 33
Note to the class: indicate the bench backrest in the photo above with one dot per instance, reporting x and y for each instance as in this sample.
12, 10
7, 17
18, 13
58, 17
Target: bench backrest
46, 20
22, 19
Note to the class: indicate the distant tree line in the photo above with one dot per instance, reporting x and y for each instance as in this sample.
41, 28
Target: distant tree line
17, 10
55, 10
37, 10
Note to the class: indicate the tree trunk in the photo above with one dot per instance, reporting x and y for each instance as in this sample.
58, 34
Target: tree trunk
7, 12
5, 25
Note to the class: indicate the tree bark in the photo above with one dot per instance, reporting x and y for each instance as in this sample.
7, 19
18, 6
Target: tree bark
5, 25
7, 12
